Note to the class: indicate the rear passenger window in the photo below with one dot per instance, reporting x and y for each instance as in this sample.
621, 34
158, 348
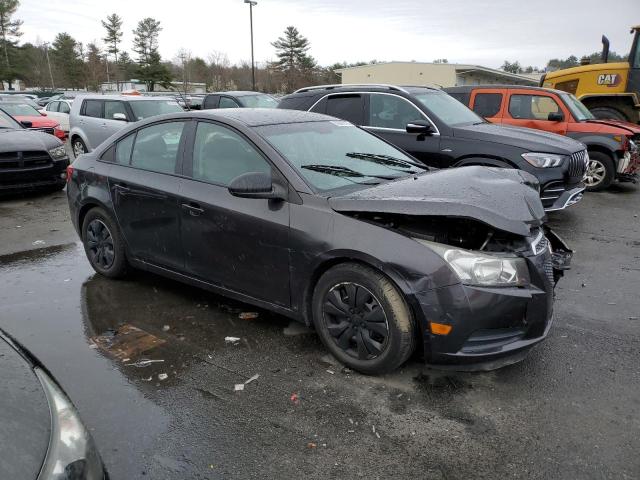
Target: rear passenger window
156, 147
227, 103
347, 107
111, 108
391, 111
63, 107
487, 104
93, 108
123, 149
210, 101
220, 155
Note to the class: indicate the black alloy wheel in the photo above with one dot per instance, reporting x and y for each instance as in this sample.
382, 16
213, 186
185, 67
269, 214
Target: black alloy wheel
100, 244
104, 244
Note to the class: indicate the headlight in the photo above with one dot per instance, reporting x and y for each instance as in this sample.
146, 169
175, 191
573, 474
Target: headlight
633, 146
71, 453
58, 152
475, 268
543, 160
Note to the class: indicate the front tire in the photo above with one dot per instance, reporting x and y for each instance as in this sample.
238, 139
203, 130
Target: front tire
362, 319
104, 244
601, 172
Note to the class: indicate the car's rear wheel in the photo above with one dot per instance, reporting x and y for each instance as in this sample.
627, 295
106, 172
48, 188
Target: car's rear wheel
78, 147
103, 244
601, 172
363, 319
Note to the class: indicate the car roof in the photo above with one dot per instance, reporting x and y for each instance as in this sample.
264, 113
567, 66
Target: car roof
469, 88
256, 117
124, 98
238, 93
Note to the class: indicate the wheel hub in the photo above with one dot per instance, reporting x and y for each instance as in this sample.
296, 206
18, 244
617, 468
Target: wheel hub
595, 174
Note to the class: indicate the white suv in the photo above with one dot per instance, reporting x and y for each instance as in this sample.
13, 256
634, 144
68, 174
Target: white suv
94, 118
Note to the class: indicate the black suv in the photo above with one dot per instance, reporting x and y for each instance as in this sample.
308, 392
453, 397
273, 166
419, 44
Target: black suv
438, 130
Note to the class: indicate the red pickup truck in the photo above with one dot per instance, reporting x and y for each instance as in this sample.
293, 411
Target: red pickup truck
613, 145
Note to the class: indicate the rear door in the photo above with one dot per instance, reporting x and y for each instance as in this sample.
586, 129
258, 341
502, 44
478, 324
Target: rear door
531, 109
145, 184
240, 244
488, 103
113, 109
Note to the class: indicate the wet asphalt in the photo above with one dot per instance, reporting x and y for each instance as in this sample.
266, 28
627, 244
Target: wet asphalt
570, 410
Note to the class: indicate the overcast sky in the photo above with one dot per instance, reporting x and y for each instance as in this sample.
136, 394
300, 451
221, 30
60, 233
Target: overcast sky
484, 32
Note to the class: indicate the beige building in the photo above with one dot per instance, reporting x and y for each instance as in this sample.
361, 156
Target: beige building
441, 74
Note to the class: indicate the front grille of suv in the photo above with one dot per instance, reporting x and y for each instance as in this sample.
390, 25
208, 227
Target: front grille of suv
24, 160
577, 165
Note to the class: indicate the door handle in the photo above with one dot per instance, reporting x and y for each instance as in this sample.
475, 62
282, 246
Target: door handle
122, 189
193, 208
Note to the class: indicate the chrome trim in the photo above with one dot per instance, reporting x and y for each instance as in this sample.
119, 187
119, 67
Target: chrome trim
536, 241
574, 198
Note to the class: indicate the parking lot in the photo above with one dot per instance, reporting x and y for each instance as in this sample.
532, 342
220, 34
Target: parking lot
570, 410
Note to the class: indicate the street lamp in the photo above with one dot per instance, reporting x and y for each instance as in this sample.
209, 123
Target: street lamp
252, 3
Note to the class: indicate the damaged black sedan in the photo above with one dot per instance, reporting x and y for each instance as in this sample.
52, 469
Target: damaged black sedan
319, 220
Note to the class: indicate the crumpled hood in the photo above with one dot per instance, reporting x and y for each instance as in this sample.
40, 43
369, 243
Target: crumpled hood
501, 198
26, 140
526, 138
630, 128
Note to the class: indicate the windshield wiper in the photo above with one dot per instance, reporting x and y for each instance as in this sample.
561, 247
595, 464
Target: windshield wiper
386, 160
339, 171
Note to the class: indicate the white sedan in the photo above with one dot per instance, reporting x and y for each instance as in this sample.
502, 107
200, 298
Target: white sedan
59, 110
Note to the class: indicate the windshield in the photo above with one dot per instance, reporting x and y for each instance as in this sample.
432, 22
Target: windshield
6, 121
578, 110
449, 110
150, 108
336, 154
258, 101
19, 109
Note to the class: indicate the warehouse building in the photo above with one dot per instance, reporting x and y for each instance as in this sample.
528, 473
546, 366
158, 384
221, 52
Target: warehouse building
442, 74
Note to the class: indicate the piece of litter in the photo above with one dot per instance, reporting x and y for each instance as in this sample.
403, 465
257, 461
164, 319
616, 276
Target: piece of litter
238, 386
148, 379
351, 431
38, 242
18, 226
255, 377
373, 428
311, 445
143, 363
67, 279
126, 359
233, 340
166, 328
377, 435
351, 421
294, 398
248, 315
399, 395
162, 376
331, 372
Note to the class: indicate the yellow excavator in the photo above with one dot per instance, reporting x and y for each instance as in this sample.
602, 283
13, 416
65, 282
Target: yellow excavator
609, 90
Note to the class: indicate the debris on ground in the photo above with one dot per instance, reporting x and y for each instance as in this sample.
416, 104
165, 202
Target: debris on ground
240, 386
248, 315
295, 399
126, 342
255, 377
232, 340
312, 445
166, 328
142, 363
162, 376
38, 242
331, 372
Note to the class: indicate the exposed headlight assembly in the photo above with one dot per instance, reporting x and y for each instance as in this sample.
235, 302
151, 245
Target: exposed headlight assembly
58, 152
480, 269
71, 454
543, 160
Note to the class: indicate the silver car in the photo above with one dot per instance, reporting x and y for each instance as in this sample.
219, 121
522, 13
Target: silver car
94, 118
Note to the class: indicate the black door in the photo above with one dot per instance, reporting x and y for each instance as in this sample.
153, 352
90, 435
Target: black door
144, 188
387, 115
240, 244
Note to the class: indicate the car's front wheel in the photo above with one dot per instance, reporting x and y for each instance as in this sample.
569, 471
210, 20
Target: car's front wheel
103, 244
600, 173
363, 319
78, 147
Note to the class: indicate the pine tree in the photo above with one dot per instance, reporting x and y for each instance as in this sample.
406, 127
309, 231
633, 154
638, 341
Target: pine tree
293, 61
151, 70
94, 67
127, 66
113, 26
9, 33
67, 61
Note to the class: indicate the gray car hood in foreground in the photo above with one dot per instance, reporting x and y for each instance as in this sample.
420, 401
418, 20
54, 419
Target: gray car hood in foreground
501, 198
26, 140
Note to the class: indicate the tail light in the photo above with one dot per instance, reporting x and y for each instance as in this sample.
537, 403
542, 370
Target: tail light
69, 173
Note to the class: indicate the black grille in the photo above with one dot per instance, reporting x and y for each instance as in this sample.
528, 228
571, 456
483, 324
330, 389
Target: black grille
24, 160
492, 339
548, 271
577, 166
48, 130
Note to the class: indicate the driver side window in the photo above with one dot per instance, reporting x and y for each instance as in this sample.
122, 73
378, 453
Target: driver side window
391, 111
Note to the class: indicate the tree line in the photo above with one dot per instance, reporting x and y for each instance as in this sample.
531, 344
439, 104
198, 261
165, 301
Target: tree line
560, 63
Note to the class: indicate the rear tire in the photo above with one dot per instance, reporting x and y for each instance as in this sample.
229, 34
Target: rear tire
362, 319
104, 244
607, 113
601, 172
78, 147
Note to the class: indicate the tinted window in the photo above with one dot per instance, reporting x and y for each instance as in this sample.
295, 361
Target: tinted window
111, 108
448, 109
220, 155
487, 104
149, 108
226, 102
391, 111
533, 107
63, 107
348, 107
52, 107
210, 101
259, 101
123, 149
93, 108
156, 147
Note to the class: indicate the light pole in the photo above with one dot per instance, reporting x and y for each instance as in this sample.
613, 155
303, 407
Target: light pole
252, 3
46, 51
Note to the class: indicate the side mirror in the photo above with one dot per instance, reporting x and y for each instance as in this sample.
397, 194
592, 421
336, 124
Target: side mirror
120, 116
555, 117
26, 123
43, 114
420, 126
256, 185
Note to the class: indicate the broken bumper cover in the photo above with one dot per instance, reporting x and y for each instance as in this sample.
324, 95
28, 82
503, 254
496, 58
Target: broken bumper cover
492, 327
568, 198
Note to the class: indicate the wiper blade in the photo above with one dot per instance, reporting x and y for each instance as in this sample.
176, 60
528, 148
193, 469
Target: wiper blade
386, 160
340, 171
